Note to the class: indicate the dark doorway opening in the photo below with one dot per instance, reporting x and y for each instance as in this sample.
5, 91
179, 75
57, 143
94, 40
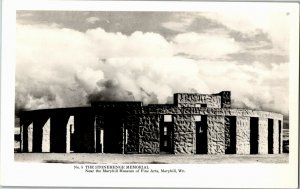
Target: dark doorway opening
201, 135
253, 135
37, 136
113, 129
270, 136
38, 125
166, 137
279, 138
83, 132
58, 133
230, 135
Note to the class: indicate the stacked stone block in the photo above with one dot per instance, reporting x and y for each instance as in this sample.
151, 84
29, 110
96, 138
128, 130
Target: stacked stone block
227, 133
184, 130
216, 135
263, 136
46, 137
192, 100
243, 135
275, 137
149, 134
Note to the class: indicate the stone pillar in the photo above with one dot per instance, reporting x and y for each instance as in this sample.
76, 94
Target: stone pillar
184, 131
230, 134
262, 136
149, 142
275, 137
30, 137
22, 138
69, 129
102, 139
227, 133
242, 135
46, 137
280, 130
215, 135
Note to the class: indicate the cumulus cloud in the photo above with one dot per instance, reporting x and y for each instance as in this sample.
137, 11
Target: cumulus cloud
273, 20
92, 20
207, 46
60, 67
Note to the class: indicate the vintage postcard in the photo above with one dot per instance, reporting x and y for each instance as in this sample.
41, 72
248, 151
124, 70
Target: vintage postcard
150, 94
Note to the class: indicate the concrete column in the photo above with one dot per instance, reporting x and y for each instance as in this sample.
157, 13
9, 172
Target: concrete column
70, 129
242, 135
215, 135
275, 137
262, 136
30, 137
46, 137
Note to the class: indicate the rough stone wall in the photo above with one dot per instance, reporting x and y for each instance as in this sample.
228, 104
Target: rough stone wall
215, 135
281, 136
203, 111
46, 137
227, 132
142, 123
243, 135
225, 99
149, 134
262, 136
22, 138
189, 100
193, 125
184, 131
231, 112
275, 137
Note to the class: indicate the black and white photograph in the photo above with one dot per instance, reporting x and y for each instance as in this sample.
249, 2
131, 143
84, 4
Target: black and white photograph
121, 91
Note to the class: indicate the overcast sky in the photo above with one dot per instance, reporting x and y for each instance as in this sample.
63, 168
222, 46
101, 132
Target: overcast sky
69, 58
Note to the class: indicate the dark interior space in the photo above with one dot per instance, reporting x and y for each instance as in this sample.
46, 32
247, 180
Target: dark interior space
201, 135
58, 132
253, 135
270, 136
38, 124
113, 131
84, 132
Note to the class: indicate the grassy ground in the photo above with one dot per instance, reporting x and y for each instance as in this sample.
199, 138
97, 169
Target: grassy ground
148, 159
